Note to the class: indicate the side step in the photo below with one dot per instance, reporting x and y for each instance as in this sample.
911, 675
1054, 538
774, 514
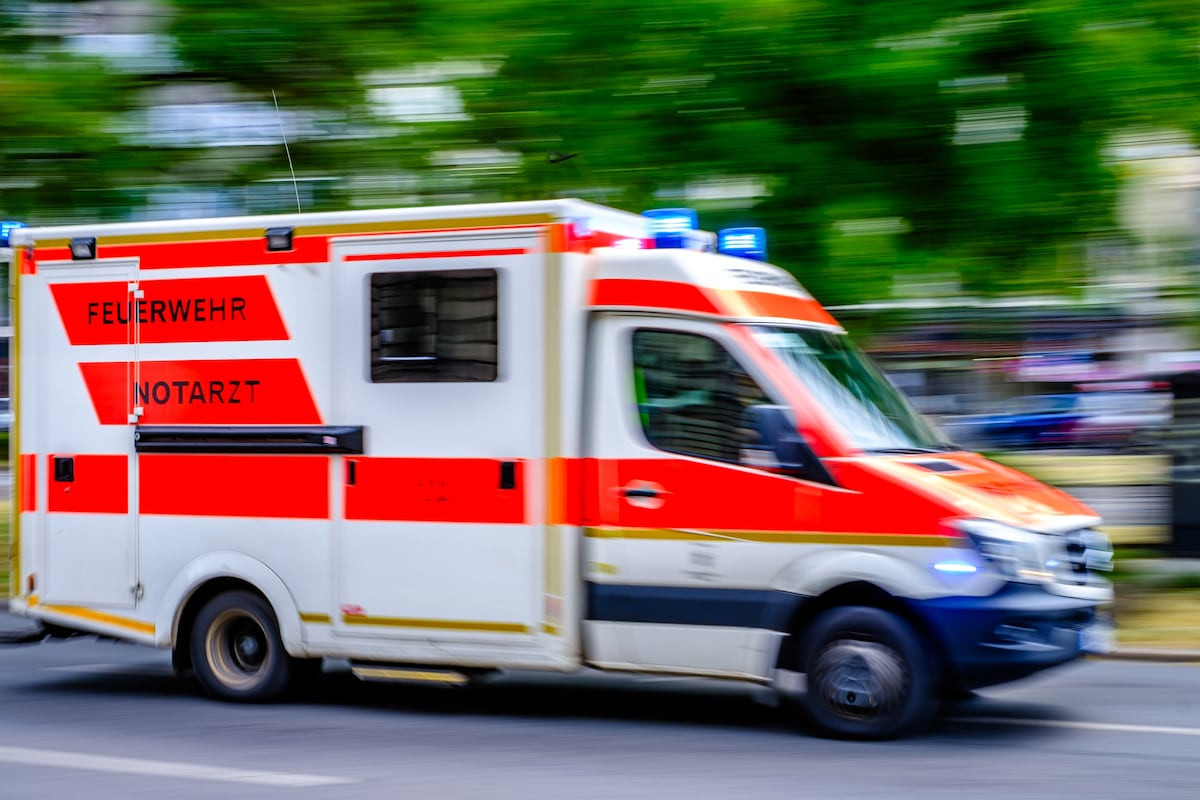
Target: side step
409, 673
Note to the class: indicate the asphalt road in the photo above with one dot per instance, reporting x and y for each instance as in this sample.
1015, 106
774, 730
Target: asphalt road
88, 719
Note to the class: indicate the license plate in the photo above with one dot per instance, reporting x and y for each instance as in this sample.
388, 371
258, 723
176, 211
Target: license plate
1098, 638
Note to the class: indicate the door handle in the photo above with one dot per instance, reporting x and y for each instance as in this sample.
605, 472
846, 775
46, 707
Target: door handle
643, 494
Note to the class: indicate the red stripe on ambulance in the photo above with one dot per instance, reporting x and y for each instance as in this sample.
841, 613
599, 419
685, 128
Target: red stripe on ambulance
236, 252
25, 265
211, 253
231, 309
509, 251
435, 490
674, 296
259, 391
745, 305
306, 249
571, 238
640, 293
99, 485
28, 479
291, 486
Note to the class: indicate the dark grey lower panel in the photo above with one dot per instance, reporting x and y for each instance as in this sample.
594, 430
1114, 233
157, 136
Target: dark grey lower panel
681, 605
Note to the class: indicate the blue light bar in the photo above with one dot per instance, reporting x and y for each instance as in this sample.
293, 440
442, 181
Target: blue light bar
6, 229
743, 242
669, 227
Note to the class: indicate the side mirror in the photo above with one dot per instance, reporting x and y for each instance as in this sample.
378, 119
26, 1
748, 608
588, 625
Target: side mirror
778, 437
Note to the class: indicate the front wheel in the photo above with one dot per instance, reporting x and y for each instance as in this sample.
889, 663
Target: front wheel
237, 653
869, 676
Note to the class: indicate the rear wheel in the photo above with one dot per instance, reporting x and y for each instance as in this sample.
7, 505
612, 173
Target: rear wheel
868, 675
237, 653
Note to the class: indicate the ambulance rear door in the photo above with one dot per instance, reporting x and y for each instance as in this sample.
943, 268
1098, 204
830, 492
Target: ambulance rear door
78, 379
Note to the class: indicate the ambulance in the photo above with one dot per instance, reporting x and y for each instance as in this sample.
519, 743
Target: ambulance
442, 443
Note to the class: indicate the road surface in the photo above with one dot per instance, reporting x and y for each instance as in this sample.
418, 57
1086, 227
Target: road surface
93, 719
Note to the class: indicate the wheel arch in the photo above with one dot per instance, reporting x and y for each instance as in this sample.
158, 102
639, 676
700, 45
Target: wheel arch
855, 593
216, 573
836, 577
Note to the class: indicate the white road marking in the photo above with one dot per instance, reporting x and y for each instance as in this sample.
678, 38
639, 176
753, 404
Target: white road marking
126, 669
1082, 726
162, 769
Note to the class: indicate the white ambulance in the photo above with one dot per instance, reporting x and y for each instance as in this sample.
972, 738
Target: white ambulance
441, 442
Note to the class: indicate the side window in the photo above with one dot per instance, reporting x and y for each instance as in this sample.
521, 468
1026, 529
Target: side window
692, 395
433, 326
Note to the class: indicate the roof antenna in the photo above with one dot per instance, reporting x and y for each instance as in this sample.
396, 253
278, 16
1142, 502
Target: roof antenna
283, 135
557, 157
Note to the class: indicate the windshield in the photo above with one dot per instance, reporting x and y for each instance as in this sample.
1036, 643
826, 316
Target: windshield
874, 415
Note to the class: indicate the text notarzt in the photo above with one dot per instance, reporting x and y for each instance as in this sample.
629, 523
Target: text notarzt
188, 392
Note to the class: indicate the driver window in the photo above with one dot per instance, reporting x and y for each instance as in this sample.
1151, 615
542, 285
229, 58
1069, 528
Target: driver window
692, 395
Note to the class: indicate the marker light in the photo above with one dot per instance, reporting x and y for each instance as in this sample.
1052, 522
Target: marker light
278, 239
6, 229
956, 567
83, 248
743, 242
669, 227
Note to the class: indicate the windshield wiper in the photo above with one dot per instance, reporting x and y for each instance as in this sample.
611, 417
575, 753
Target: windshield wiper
944, 447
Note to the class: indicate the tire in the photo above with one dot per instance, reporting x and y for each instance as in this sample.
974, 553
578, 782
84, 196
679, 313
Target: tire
237, 653
868, 675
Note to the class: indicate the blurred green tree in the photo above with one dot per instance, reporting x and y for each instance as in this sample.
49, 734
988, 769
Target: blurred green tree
313, 52
892, 139
59, 147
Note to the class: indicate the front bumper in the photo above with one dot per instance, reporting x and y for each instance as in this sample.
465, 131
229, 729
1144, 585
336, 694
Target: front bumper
1016, 632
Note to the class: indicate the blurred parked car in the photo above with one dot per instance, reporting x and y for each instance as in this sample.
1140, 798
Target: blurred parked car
1115, 419
1120, 419
6, 416
1024, 422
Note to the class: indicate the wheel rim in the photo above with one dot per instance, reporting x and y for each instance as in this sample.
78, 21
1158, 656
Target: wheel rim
238, 649
859, 681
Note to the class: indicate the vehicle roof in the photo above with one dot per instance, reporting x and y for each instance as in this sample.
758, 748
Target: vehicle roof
523, 212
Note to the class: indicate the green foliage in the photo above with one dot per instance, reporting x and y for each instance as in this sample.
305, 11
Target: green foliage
979, 125
307, 51
880, 141
57, 134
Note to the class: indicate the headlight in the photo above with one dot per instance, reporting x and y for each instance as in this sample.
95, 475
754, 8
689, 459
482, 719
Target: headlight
1087, 551
1016, 553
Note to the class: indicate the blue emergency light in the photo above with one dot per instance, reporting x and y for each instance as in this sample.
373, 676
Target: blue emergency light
6, 229
670, 227
743, 242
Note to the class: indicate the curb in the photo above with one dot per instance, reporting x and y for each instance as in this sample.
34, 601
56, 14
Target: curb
1165, 656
